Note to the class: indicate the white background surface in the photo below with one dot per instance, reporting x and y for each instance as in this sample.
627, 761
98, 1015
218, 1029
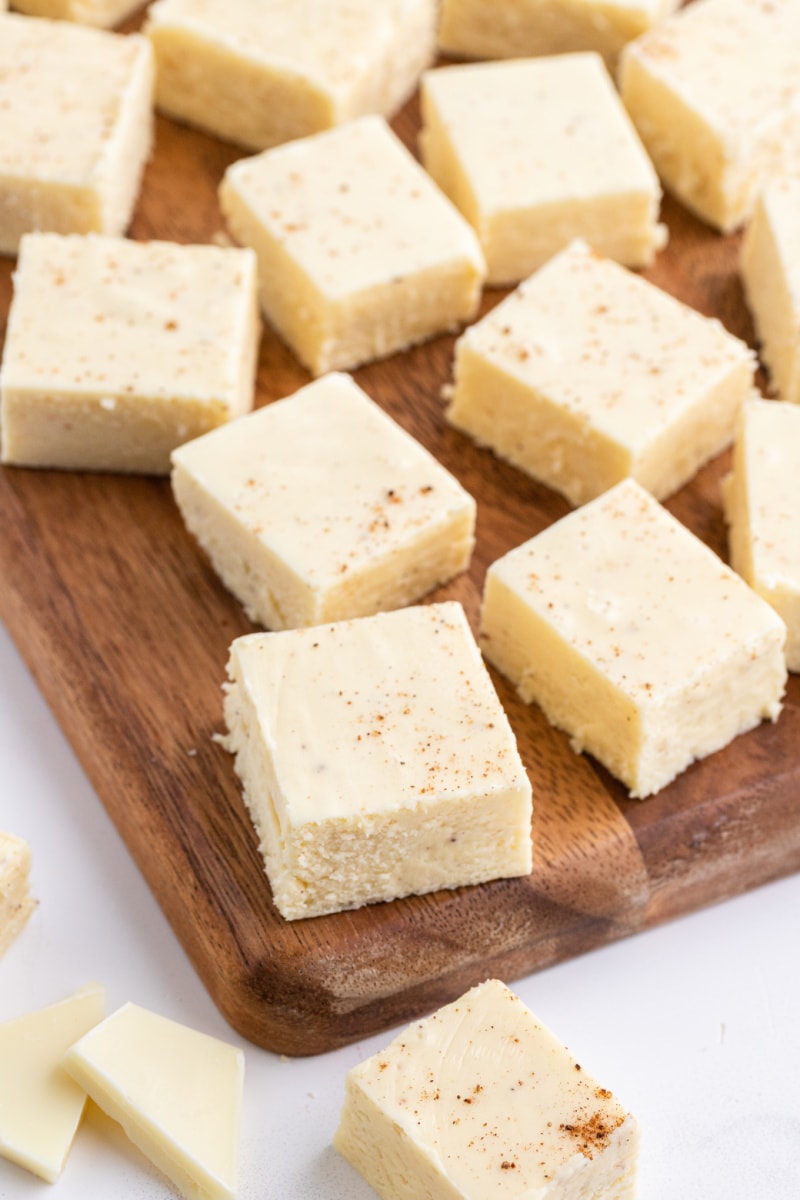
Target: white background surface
696, 1026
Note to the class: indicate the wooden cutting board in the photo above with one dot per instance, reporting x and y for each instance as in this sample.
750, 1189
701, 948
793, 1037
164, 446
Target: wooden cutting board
126, 630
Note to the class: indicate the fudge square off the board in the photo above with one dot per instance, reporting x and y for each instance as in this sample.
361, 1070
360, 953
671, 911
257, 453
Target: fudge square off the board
376, 760
634, 638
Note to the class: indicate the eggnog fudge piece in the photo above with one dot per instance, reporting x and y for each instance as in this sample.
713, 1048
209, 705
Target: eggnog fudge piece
535, 152
762, 505
117, 351
634, 637
16, 903
359, 252
40, 1106
770, 271
73, 139
103, 13
263, 73
587, 374
361, 783
480, 1101
176, 1092
522, 28
715, 94
319, 507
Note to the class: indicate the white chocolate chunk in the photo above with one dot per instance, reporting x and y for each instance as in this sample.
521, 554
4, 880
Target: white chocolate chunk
319, 508
261, 74
536, 152
362, 784
40, 1106
176, 1092
73, 140
16, 903
634, 637
714, 92
479, 1102
102, 13
762, 506
118, 351
588, 374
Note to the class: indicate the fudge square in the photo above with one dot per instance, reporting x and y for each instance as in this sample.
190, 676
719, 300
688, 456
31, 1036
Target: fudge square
16, 902
770, 272
361, 783
319, 507
359, 252
538, 151
103, 13
715, 94
117, 351
762, 506
634, 638
263, 73
587, 374
76, 128
479, 1101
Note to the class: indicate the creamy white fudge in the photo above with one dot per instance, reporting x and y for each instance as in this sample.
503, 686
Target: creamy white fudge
634, 638
762, 506
770, 272
176, 1092
362, 784
71, 155
714, 92
40, 1106
523, 28
535, 152
118, 351
264, 73
359, 253
588, 374
480, 1101
102, 13
319, 507
16, 902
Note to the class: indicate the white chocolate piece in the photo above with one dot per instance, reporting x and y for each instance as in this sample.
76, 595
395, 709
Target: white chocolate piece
40, 1106
71, 153
361, 783
261, 74
102, 13
16, 902
535, 152
588, 374
762, 506
714, 92
770, 271
320, 508
523, 28
176, 1092
118, 351
481, 1102
359, 253
634, 638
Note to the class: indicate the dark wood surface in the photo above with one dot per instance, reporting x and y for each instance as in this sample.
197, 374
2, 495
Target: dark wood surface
126, 629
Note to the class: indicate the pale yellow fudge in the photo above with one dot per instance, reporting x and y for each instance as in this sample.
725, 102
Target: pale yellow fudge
261, 72
481, 1102
762, 506
634, 638
16, 902
118, 351
176, 1092
76, 128
319, 507
535, 152
40, 1106
359, 253
770, 271
102, 13
376, 760
587, 374
715, 94
522, 28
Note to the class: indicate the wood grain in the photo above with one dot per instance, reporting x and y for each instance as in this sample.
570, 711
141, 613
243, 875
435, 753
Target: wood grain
126, 629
